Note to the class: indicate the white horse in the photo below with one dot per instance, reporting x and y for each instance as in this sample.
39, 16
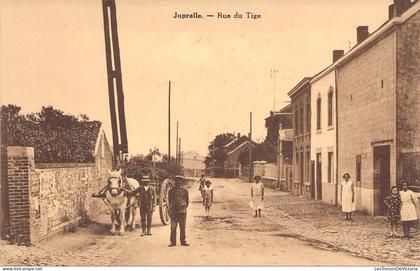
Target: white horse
119, 201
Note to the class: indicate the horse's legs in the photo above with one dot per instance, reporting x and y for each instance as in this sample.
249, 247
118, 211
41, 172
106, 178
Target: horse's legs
122, 220
113, 218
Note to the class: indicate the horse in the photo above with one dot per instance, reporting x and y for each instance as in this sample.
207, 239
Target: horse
120, 202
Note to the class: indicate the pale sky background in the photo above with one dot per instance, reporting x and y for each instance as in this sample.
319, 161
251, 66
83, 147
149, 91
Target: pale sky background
52, 53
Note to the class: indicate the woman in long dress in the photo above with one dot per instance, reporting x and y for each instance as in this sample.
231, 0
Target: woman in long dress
408, 209
347, 197
257, 196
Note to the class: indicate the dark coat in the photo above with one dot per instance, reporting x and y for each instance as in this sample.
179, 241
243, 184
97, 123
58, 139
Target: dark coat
178, 200
147, 199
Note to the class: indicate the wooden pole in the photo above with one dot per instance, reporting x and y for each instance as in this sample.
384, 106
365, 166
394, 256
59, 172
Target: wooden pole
179, 151
177, 145
250, 147
169, 124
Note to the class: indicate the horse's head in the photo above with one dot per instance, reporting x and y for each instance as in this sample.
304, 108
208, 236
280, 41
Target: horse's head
114, 185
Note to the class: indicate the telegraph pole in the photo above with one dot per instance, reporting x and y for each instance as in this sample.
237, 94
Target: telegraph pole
177, 145
169, 124
179, 151
273, 75
250, 147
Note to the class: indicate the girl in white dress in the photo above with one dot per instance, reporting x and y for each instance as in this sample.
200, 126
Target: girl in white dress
257, 196
347, 196
408, 209
208, 197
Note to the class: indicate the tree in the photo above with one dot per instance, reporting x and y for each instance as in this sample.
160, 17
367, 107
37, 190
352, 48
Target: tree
55, 136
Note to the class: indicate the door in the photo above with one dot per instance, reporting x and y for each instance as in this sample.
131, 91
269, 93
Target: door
301, 173
318, 176
381, 176
312, 176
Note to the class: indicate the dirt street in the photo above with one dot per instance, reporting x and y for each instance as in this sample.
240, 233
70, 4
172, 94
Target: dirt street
231, 236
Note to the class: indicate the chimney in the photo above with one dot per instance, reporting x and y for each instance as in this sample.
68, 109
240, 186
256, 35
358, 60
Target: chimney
337, 54
239, 135
362, 33
391, 11
400, 6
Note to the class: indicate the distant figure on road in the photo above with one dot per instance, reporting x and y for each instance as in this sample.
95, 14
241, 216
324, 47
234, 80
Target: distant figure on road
178, 200
347, 197
393, 202
257, 196
408, 209
208, 197
147, 203
202, 185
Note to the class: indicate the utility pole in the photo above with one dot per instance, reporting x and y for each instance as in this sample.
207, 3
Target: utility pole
169, 124
176, 152
250, 147
179, 151
273, 75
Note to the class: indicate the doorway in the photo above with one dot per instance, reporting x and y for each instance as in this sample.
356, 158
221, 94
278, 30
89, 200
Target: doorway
318, 176
381, 175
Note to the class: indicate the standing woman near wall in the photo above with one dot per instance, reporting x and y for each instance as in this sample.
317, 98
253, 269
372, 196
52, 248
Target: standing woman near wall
347, 197
408, 209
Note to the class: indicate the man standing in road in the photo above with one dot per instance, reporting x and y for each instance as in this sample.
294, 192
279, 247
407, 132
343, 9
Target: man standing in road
178, 201
147, 202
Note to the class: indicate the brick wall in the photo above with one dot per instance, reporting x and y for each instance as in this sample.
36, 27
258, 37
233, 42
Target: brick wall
20, 162
408, 95
366, 114
4, 204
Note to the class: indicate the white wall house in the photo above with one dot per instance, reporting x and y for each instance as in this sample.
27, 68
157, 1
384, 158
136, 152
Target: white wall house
323, 135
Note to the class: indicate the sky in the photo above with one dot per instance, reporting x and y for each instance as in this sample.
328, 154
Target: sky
52, 52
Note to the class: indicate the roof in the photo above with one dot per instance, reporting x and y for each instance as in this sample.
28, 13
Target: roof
299, 86
231, 142
286, 134
240, 146
377, 34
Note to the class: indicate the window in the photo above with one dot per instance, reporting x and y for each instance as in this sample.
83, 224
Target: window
308, 117
296, 121
330, 167
358, 170
301, 120
318, 113
330, 107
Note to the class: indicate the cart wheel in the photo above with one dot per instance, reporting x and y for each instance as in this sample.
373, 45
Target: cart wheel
163, 201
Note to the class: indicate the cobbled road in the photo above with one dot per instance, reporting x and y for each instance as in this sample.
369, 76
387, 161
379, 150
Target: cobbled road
231, 236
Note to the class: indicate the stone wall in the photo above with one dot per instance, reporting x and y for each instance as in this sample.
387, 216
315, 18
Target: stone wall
45, 199
366, 114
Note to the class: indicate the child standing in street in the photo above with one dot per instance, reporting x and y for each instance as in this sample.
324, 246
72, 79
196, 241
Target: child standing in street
393, 202
208, 197
257, 196
408, 209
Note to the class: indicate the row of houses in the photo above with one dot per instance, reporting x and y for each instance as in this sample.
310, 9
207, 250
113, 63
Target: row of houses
359, 115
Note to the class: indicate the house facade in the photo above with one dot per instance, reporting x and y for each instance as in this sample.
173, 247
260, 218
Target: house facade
378, 102
301, 105
241, 145
192, 163
323, 132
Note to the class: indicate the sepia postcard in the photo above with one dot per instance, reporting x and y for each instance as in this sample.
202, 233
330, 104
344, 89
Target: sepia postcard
274, 133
